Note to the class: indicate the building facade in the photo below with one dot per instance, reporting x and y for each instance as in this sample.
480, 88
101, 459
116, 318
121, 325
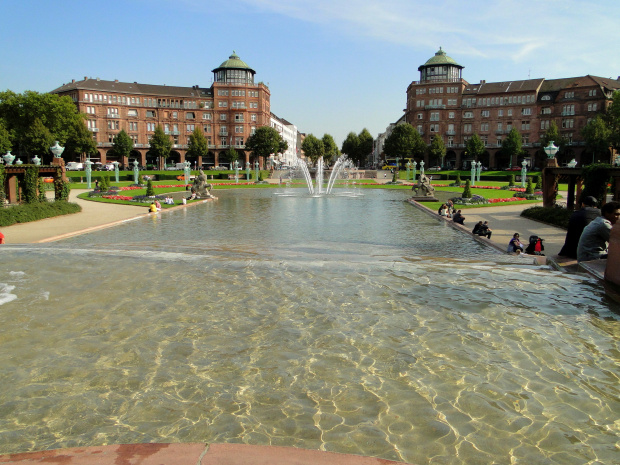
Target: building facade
228, 112
444, 103
288, 132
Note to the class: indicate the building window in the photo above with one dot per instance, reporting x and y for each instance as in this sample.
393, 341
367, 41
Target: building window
525, 125
420, 129
546, 97
434, 128
113, 125
544, 124
526, 111
451, 114
509, 113
500, 112
484, 127
499, 126
467, 127
132, 113
569, 94
239, 117
434, 116
468, 114
592, 106
223, 131
239, 129
546, 111
420, 116
133, 125
150, 113
222, 104
190, 127
485, 113
253, 117
113, 112
568, 123
525, 139
92, 124
222, 92
419, 103
253, 104
592, 92
206, 128
190, 115
150, 126
206, 116
568, 110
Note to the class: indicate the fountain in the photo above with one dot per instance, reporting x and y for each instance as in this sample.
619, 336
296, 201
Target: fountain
318, 189
320, 323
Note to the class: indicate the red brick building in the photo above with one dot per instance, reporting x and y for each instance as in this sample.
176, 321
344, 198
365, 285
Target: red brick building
444, 103
228, 112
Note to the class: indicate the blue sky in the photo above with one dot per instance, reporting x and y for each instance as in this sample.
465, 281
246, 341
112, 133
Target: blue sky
333, 66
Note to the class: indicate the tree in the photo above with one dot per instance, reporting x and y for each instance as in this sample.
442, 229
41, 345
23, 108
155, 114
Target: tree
364, 149
231, 155
197, 145
404, 142
23, 114
552, 134
597, 136
80, 141
350, 145
313, 148
437, 149
612, 117
122, 145
331, 149
511, 146
37, 139
161, 144
265, 141
467, 190
5, 139
474, 147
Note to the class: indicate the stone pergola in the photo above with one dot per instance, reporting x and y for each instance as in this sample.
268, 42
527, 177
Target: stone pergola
552, 174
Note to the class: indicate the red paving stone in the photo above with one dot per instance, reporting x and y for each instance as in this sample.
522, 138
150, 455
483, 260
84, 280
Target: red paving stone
189, 454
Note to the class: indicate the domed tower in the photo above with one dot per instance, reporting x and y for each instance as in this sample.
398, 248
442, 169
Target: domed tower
440, 68
234, 71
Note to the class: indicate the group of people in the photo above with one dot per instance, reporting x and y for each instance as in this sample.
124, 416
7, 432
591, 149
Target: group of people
589, 229
155, 206
482, 229
446, 209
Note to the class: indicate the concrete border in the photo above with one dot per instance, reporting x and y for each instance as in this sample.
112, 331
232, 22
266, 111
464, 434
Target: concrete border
190, 454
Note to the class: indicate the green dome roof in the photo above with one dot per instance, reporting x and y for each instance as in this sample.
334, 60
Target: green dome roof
441, 58
234, 62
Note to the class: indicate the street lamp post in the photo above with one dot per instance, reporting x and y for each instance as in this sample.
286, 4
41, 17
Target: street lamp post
115, 163
186, 171
236, 172
473, 173
408, 170
136, 173
421, 169
247, 171
415, 164
523, 173
256, 170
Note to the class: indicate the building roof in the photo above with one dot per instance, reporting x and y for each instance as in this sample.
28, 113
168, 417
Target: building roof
503, 87
234, 62
133, 88
441, 58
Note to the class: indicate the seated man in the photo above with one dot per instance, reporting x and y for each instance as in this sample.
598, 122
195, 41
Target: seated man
458, 218
595, 237
577, 222
482, 229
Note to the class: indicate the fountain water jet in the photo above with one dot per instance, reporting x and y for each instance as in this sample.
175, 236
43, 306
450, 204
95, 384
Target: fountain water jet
317, 189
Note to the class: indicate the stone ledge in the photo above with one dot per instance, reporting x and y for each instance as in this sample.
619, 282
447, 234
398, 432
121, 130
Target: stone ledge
189, 454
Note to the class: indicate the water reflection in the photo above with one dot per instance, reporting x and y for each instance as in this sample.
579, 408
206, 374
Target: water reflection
234, 326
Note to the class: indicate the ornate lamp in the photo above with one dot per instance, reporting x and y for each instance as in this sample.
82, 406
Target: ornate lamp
551, 150
36, 160
8, 158
523, 173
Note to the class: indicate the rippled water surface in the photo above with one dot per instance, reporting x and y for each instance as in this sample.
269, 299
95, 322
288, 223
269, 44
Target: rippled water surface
355, 325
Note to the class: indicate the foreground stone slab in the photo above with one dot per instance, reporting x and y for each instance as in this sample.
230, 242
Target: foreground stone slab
189, 454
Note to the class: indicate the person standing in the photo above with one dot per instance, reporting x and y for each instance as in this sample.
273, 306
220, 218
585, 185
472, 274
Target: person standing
577, 222
1, 238
594, 240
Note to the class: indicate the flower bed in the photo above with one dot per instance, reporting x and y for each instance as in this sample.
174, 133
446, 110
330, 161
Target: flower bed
509, 199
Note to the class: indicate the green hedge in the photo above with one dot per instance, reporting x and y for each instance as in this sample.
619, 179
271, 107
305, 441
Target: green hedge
556, 216
26, 213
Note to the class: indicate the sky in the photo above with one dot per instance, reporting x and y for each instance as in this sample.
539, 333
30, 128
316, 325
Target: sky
332, 66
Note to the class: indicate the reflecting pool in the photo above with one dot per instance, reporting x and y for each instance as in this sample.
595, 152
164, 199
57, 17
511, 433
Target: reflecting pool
347, 324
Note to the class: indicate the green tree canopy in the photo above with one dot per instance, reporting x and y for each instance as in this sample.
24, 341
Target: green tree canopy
123, 144
31, 111
80, 140
437, 149
612, 117
265, 141
364, 149
197, 145
313, 148
231, 155
552, 134
331, 149
350, 145
161, 143
474, 147
5, 139
597, 135
511, 146
404, 142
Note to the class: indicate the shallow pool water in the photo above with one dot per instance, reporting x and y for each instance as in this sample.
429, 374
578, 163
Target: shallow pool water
356, 325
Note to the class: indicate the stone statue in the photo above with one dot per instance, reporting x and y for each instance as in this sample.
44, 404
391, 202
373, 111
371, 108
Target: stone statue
423, 187
200, 188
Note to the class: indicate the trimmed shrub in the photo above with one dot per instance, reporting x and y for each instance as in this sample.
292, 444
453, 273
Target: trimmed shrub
149, 188
511, 180
467, 190
538, 183
557, 216
529, 189
28, 212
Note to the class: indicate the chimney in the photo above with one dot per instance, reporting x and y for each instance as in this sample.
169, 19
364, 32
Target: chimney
115, 80
483, 81
72, 81
85, 78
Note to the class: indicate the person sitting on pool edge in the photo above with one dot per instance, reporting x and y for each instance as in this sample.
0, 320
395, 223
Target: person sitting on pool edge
482, 229
458, 218
595, 237
515, 245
